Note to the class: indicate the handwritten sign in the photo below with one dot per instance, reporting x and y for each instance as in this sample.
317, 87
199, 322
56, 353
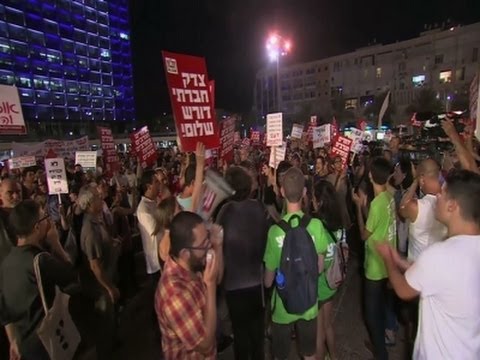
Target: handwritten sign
255, 137
341, 148
357, 137
56, 176
321, 136
11, 116
275, 129
144, 147
277, 155
297, 131
87, 159
21, 162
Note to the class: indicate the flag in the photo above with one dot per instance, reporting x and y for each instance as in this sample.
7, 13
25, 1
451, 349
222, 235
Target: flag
383, 110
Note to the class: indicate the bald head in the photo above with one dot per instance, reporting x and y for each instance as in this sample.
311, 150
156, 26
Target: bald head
429, 168
10, 193
429, 174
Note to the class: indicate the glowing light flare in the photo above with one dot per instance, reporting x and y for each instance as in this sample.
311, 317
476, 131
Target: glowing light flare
277, 46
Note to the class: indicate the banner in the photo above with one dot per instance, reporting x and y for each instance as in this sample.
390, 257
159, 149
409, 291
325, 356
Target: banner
11, 115
357, 137
255, 137
191, 100
109, 154
61, 148
275, 129
227, 139
341, 148
311, 126
297, 131
144, 147
87, 159
21, 162
321, 136
56, 176
277, 155
334, 130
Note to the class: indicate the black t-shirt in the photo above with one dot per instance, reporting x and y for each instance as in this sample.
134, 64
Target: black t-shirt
20, 301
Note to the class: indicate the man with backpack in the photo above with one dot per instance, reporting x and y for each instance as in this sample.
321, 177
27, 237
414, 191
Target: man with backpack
293, 260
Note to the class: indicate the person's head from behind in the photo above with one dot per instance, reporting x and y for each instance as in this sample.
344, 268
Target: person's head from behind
90, 201
293, 185
149, 184
189, 240
249, 167
459, 199
326, 205
29, 222
428, 173
240, 181
402, 173
166, 210
281, 170
296, 160
380, 170
387, 154
10, 193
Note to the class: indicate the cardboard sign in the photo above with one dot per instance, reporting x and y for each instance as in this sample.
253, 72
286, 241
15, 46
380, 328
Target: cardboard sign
321, 136
191, 99
87, 159
61, 148
11, 115
56, 176
357, 138
275, 129
227, 139
214, 191
341, 148
21, 162
297, 131
144, 148
255, 136
109, 154
277, 155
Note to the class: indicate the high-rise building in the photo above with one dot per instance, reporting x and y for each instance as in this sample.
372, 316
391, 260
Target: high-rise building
442, 59
70, 59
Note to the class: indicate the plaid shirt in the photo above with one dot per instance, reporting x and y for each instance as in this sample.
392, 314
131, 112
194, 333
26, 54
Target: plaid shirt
179, 303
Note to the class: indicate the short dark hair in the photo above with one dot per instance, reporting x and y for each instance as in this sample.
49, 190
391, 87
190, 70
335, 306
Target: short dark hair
464, 187
181, 231
29, 169
240, 181
24, 216
281, 170
380, 170
146, 179
329, 207
293, 184
190, 174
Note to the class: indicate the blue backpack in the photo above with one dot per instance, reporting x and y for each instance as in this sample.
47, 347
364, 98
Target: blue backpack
297, 276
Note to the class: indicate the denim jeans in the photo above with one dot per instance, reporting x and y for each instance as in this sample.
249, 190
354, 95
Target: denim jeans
375, 309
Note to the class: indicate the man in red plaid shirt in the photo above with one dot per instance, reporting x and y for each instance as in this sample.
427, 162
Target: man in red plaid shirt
185, 299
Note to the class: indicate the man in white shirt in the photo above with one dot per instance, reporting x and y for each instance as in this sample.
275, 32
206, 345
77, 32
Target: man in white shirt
423, 229
446, 276
146, 220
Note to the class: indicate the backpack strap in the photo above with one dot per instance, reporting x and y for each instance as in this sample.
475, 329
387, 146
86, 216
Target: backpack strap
304, 221
285, 226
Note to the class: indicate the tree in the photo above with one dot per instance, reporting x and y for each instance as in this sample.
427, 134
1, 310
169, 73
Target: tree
425, 101
372, 111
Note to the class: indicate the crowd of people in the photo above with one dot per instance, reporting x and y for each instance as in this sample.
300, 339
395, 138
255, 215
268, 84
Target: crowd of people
415, 226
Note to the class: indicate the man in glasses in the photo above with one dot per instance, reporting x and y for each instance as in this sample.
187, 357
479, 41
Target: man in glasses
19, 296
185, 300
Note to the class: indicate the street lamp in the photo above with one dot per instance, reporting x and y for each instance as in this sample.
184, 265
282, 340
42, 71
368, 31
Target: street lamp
277, 47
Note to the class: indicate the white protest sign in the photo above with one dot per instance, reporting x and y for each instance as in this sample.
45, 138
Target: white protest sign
275, 129
87, 159
321, 136
56, 176
357, 136
11, 116
22, 162
297, 131
277, 155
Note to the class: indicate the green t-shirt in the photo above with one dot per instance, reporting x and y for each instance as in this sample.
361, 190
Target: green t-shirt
324, 291
272, 257
381, 224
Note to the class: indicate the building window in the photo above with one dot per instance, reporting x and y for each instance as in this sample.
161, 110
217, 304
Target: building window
378, 73
438, 59
445, 76
418, 80
351, 104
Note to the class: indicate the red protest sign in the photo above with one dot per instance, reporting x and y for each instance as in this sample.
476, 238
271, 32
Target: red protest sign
110, 157
341, 148
227, 139
191, 99
143, 147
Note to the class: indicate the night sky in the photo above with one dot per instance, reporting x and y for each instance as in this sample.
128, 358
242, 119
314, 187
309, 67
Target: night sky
231, 35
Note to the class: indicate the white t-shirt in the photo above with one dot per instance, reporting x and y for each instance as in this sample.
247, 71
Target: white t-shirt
146, 225
425, 230
447, 275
